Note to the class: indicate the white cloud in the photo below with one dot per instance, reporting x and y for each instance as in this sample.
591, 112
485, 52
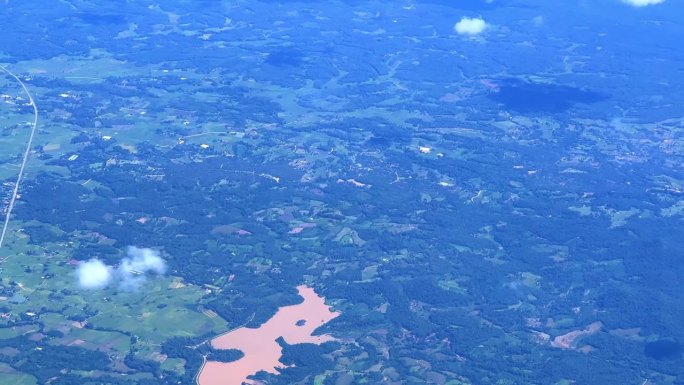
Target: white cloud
143, 260
642, 3
93, 274
538, 21
140, 262
130, 274
470, 26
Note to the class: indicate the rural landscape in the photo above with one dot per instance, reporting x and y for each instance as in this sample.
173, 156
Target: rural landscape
337, 193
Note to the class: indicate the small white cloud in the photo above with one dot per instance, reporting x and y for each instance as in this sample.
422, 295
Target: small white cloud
143, 260
93, 274
129, 275
140, 262
470, 26
538, 21
642, 3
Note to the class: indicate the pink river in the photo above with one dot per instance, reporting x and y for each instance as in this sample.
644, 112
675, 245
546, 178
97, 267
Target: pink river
295, 323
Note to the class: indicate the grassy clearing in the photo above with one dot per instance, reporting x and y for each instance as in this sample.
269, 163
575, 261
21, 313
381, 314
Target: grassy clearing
18, 379
9, 376
116, 321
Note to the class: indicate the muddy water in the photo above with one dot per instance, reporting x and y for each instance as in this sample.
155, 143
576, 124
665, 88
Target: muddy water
295, 324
